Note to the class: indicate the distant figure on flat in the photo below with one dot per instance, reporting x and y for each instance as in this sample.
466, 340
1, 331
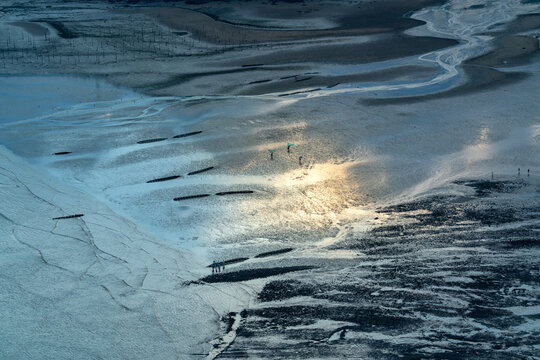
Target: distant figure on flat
300, 160
519, 171
289, 147
271, 154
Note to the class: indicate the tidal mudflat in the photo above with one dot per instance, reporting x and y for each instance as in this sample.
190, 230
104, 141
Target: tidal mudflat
141, 142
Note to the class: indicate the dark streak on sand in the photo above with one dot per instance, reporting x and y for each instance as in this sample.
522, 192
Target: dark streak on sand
232, 261
61, 29
200, 171
62, 153
190, 197
397, 73
166, 178
150, 140
259, 81
300, 92
250, 274
68, 217
234, 192
275, 252
187, 134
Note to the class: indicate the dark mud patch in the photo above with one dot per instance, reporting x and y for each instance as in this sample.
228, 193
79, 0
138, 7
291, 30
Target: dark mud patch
522, 243
486, 187
259, 81
491, 216
166, 178
180, 198
250, 274
186, 134
150, 140
200, 171
275, 252
433, 271
480, 78
232, 261
510, 51
234, 192
285, 289
367, 317
68, 217
62, 30
229, 320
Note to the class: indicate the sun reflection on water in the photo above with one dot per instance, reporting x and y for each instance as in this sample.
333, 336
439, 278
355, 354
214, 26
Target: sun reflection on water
305, 200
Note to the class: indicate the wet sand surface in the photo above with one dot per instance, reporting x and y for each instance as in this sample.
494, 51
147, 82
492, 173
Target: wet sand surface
489, 70
352, 20
32, 28
510, 51
401, 230
391, 74
207, 29
373, 51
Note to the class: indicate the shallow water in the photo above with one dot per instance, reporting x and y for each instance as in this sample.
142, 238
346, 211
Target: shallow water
355, 157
